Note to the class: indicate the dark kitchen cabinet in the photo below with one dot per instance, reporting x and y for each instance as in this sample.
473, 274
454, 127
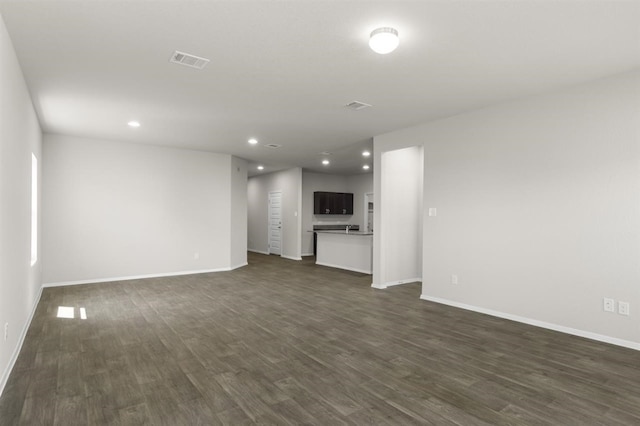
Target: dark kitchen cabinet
333, 203
321, 204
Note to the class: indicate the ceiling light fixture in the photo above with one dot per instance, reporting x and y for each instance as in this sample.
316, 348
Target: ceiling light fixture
366, 167
366, 153
325, 162
384, 40
253, 141
357, 105
134, 124
260, 167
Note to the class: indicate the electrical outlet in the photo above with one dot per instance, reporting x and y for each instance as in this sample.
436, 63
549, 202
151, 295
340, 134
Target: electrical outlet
433, 211
609, 305
623, 308
6, 331
454, 279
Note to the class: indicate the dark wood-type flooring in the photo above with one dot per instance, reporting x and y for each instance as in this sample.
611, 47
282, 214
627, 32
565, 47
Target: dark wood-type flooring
285, 342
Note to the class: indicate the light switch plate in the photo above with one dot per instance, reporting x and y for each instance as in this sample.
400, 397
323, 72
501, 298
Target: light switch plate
623, 308
432, 211
608, 305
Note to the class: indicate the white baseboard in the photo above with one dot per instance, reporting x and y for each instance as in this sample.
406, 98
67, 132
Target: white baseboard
399, 282
136, 277
307, 254
362, 271
258, 251
291, 257
240, 265
14, 357
555, 327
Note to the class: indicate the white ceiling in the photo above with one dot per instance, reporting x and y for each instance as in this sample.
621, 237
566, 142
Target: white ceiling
282, 71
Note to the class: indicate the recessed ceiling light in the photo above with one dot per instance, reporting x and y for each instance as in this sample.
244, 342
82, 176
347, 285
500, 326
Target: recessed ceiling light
366, 153
366, 167
384, 40
253, 141
133, 124
325, 162
260, 167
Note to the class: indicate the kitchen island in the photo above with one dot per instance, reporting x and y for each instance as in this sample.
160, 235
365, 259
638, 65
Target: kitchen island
351, 250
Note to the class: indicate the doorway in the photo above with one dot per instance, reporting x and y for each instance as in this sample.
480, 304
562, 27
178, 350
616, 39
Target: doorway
398, 238
368, 211
275, 222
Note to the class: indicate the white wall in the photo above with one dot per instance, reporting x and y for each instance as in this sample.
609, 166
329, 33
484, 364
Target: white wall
258, 188
359, 185
238, 249
20, 136
114, 210
538, 208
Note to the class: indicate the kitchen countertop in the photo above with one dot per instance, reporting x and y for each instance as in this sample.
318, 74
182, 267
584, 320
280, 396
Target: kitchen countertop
360, 233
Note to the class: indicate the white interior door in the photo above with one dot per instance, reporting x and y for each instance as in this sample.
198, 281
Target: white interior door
275, 222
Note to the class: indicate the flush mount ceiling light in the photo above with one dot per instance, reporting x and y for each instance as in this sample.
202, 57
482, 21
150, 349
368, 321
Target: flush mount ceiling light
366, 153
260, 167
325, 162
366, 167
253, 141
384, 40
133, 124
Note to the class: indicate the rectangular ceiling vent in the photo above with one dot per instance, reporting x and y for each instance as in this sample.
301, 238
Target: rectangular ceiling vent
356, 105
188, 60
273, 145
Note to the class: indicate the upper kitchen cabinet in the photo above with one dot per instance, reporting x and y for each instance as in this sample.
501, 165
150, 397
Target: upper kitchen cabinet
333, 203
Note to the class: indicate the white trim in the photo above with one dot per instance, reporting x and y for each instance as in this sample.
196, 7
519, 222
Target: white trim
405, 281
568, 330
16, 352
291, 257
362, 271
306, 254
393, 283
258, 251
239, 265
134, 277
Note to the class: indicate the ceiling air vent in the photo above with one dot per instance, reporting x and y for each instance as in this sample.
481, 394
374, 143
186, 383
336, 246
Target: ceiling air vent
188, 60
273, 145
356, 105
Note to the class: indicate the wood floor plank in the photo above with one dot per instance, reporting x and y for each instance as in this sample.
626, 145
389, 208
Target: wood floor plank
70, 410
134, 415
287, 342
38, 411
